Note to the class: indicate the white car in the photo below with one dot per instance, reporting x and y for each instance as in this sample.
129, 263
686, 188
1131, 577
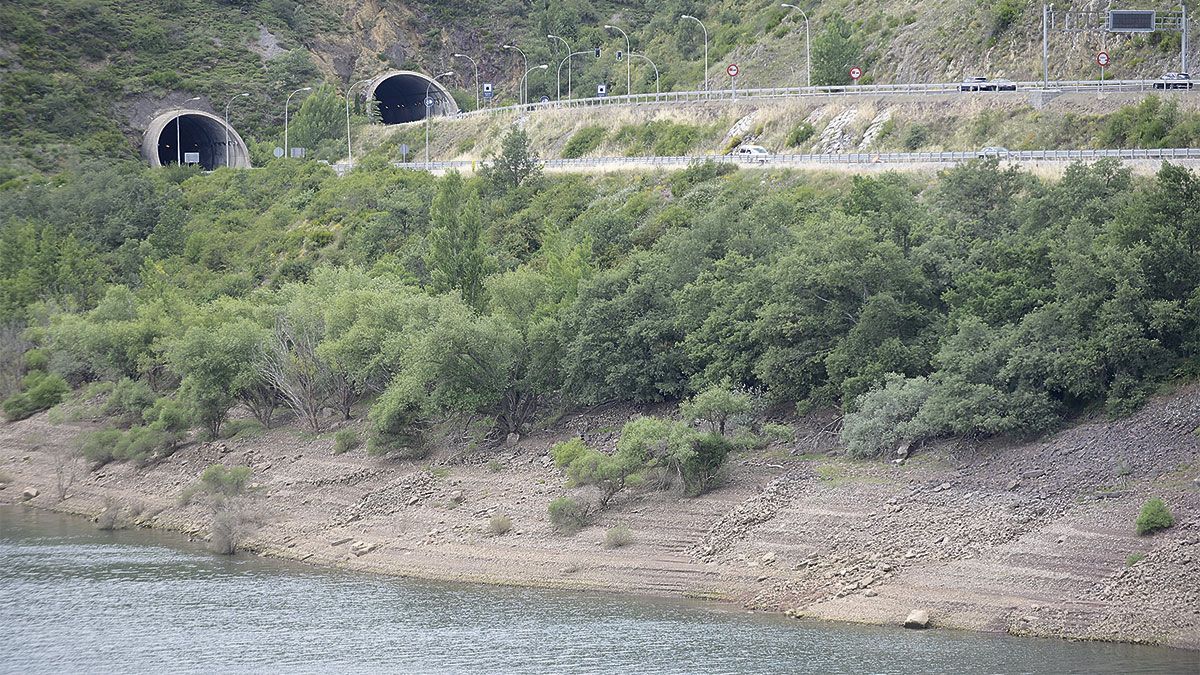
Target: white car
756, 152
993, 151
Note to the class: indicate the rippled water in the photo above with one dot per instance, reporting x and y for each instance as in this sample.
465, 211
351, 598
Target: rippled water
73, 599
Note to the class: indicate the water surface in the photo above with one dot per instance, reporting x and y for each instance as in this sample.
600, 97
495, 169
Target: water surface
73, 599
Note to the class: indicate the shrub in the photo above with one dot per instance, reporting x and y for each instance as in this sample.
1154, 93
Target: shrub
168, 414
1155, 516
222, 480
567, 452
801, 133
698, 172
568, 515
42, 391
618, 536
915, 137
778, 433
1134, 558
397, 425
584, 141
97, 446
499, 524
37, 359
715, 406
345, 441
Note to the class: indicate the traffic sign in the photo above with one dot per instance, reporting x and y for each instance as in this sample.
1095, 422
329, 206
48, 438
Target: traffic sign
602, 90
488, 91
855, 73
428, 101
278, 151
1102, 59
733, 70
620, 55
545, 99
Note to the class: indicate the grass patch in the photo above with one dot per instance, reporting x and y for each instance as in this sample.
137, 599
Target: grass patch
568, 515
344, 441
618, 536
1135, 558
499, 524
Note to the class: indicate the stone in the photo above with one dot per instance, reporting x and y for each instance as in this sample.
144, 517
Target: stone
360, 548
458, 497
412, 501
339, 542
918, 618
29, 493
870, 593
902, 451
512, 439
768, 557
1013, 484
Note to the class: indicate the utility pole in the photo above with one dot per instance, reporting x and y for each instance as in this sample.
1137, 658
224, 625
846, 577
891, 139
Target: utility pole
689, 16
523, 94
350, 150
476, 66
1046, 10
807, 41
287, 149
235, 96
558, 78
429, 111
178, 136
628, 61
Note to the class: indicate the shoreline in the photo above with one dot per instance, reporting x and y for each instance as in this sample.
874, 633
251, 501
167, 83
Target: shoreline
987, 545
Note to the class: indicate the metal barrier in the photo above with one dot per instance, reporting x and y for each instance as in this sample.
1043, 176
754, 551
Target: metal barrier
726, 95
861, 158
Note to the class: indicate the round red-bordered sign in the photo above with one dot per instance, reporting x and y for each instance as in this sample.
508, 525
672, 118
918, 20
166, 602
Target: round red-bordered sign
1102, 59
855, 73
733, 70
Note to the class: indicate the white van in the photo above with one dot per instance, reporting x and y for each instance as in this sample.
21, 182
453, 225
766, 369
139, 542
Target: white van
756, 152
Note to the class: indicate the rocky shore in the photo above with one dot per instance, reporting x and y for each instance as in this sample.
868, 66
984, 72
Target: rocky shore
1031, 539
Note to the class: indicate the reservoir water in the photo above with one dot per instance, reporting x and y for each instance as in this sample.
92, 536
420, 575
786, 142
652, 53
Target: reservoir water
73, 599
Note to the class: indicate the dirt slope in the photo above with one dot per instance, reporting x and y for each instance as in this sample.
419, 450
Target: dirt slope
1027, 539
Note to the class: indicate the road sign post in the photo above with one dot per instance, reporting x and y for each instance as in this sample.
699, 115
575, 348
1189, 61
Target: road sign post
856, 74
733, 71
1102, 60
489, 92
404, 152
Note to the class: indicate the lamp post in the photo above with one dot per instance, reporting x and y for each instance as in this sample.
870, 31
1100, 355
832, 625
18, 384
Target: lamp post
429, 110
235, 96
526, 67
525, 77
628, 66
476, 66
645, 58
178, 119
349, 92
567, 61
807, 41
689, 16
287, 149
558, 78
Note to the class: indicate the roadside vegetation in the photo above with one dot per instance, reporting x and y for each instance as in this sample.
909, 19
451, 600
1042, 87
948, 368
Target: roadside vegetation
984, 301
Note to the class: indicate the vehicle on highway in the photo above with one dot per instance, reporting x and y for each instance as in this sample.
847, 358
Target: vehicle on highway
993, 151
979, 83
1174, 81
752, 152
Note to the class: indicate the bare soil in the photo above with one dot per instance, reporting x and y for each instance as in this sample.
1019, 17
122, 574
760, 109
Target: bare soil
1032, 538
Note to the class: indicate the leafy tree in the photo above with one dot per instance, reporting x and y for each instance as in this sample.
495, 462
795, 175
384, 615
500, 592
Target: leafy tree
835, 50
516, 164
321, 116
457, 258
714, 406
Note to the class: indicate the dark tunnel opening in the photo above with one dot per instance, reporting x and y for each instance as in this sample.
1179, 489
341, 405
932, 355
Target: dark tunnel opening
401, 99
196, 134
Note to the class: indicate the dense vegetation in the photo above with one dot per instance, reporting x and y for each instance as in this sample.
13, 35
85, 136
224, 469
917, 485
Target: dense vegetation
983, 302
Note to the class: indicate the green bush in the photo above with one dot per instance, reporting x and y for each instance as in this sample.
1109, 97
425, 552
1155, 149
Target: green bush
800, 134
778, 433
1154, 516
345, 441
98, 446
397, 425
715, 407
568, 515
618, 536
37, 359
697, 173
130, 399
228, 481
584, 141
42, 391
567, 452
915, 137
170, 415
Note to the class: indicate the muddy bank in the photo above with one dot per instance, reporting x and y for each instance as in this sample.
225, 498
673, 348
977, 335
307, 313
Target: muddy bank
1033, 539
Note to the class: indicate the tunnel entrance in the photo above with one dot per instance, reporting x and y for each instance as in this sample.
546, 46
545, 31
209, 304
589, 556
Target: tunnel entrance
197, 132
400, 95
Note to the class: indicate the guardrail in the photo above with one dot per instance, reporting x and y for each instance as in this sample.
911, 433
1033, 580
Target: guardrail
717, 95
840, 159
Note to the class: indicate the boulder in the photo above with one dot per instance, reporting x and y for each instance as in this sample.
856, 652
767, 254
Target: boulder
918, 618
360, 548
458, 497
29, 493
512, 439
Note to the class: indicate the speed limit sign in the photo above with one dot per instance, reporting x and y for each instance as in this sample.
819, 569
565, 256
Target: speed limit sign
732, 70
1102, 59
855, 73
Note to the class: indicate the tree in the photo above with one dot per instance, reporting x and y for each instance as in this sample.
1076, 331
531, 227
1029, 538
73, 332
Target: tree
321, 117
292, 365
516, 164
714, 406
457, 258
835, 50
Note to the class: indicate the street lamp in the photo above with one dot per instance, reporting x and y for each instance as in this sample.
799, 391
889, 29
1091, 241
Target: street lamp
628, 67
178, 119
689, 16
525, 77
567, 61
287, 149
526, 66
350, 150
429, 109
235, 96
558, 78
476, 65
657, 90
807, 40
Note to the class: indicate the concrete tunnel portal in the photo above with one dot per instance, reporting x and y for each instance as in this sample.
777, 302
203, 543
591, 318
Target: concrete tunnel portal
400, 96
217, 144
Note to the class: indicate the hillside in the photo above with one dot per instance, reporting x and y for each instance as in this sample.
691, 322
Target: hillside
82, 77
